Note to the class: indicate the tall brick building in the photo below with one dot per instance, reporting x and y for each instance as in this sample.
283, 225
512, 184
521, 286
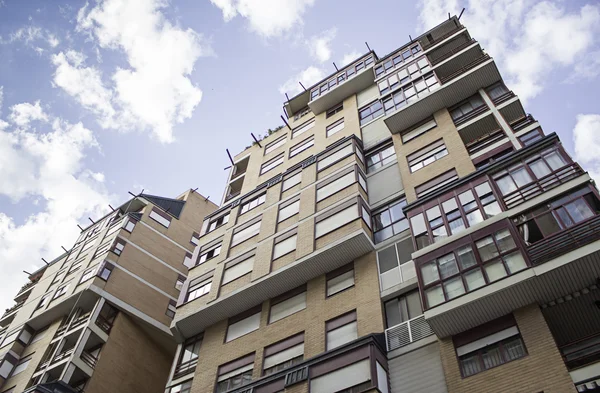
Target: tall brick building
410, 229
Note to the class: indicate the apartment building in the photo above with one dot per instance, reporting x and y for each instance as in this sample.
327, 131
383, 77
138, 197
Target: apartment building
411, 229
96, 319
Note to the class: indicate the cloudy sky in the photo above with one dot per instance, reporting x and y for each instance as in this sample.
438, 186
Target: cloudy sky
103, 97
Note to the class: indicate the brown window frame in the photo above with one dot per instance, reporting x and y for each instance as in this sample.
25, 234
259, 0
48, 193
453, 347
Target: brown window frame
387, 207
335, 109
382, 160
184, 368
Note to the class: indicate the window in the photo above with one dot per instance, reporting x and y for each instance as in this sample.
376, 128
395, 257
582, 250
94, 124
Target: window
74, 267
341, 77
410, 93
58, 277
531, 137
418, 130
303, 112
389, 221
252, 203
400, 58
43, 301
180, 281
470, 267
288, 209
402, 308
21, 366
370, 112
171, 309
380, 158
284, 354
220, 221
491, 351
405, 74
291, 181
463, 109
195, 239
557, 215
496, 91
395, 264
238, 268
352, 378
118, 246
340, 279
427, 155
288, 304
198, 288
245, 233
89, 273
129, 224
334, 185
436, 183
235, 374
160, 217
106, 270
341, 330
61, 290
267, 166
303, 128
335, 127
188, 357
272, 146
336, 109
187, 260
300, 147
340, 216
208, 252
185, 387
39, 335
243, 324
338, 155
285, 244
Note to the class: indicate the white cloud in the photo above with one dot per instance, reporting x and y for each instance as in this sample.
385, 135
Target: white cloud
319, 45
25, 113
45, 164
308, 77
31, 34
529, 39
349, 57
586, 138
268, 18
154, 92
587, 68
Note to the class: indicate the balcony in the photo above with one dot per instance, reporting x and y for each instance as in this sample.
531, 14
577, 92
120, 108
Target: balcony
440, 33
522, 123
484, 142
10, 313
457, 84
348, 81
324, 259
89, 359
25, 290
407, 333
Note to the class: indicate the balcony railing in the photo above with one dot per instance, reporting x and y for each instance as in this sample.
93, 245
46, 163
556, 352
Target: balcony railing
464, 69
485, 141
562, 242
471, 115
452, 52
542, 184
103, 324
89, 359
63, 355
185, 368
397, 275
522, 123
407, 333
13, 308
26, 287
441, 38
503, 98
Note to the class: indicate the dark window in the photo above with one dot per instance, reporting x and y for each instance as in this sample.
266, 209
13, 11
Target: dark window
402, 308
336, 109
217, 222
497, 90
171, 309
465, 108
380, 158
390, 221
188, 358
370, 112
531, 137
492, 355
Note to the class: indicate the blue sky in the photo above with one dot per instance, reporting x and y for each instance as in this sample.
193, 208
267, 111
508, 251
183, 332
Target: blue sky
101, 98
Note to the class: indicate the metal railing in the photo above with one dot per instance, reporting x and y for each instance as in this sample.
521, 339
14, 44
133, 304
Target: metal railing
103, 324
452, 52
397, 275
441, 38
485, 141
407, 332
521, 123
13, 308
471, 115
464, 69
503, 98
564, 241
89, 359
185, 368
63, 355
541, 185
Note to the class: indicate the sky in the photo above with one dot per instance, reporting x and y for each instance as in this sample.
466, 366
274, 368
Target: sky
104, 97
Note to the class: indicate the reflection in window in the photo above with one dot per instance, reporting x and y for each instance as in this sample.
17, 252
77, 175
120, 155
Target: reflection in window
390, 221
380, 158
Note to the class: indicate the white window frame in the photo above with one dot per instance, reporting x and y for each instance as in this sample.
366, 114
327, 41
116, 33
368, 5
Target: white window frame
334, 127
276, 144
202, 288
302, 146
338, 155
159, 219
272, 164
301, 129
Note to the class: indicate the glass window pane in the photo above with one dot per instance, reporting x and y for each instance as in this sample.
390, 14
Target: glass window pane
449, 205
514, 262
539, 168
513, 349
382, 220
555, 160
396, 211
474, 279
466, 257
387, 259
483, 189
579, 210
433, 213
383, 234
429, 273
475, 217
491, 357
504, 240
470, 365
456, 225
439, 233
434, 296
506, 184
454, 287
487, 248
495, 271
548, 224
466, 197
447, 265
521, 177
492, 209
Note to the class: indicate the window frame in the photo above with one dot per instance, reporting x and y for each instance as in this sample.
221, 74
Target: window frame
274, 145
157, 213
338, 322
396, 58
381, 210
260, 199
357, 203
215, 247
424, 155
244, 227
302, 128
286, 205
382, 160
271, 164
302, 146
198, 283
280, 239
335, 109
279, 347
235, 262
171, 309
334, 127
358, 176
336, 274
189, 365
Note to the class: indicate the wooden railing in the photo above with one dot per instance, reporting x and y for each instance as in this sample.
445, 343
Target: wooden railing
452, 52
522, 123
564, 241
541, 185
465, 68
